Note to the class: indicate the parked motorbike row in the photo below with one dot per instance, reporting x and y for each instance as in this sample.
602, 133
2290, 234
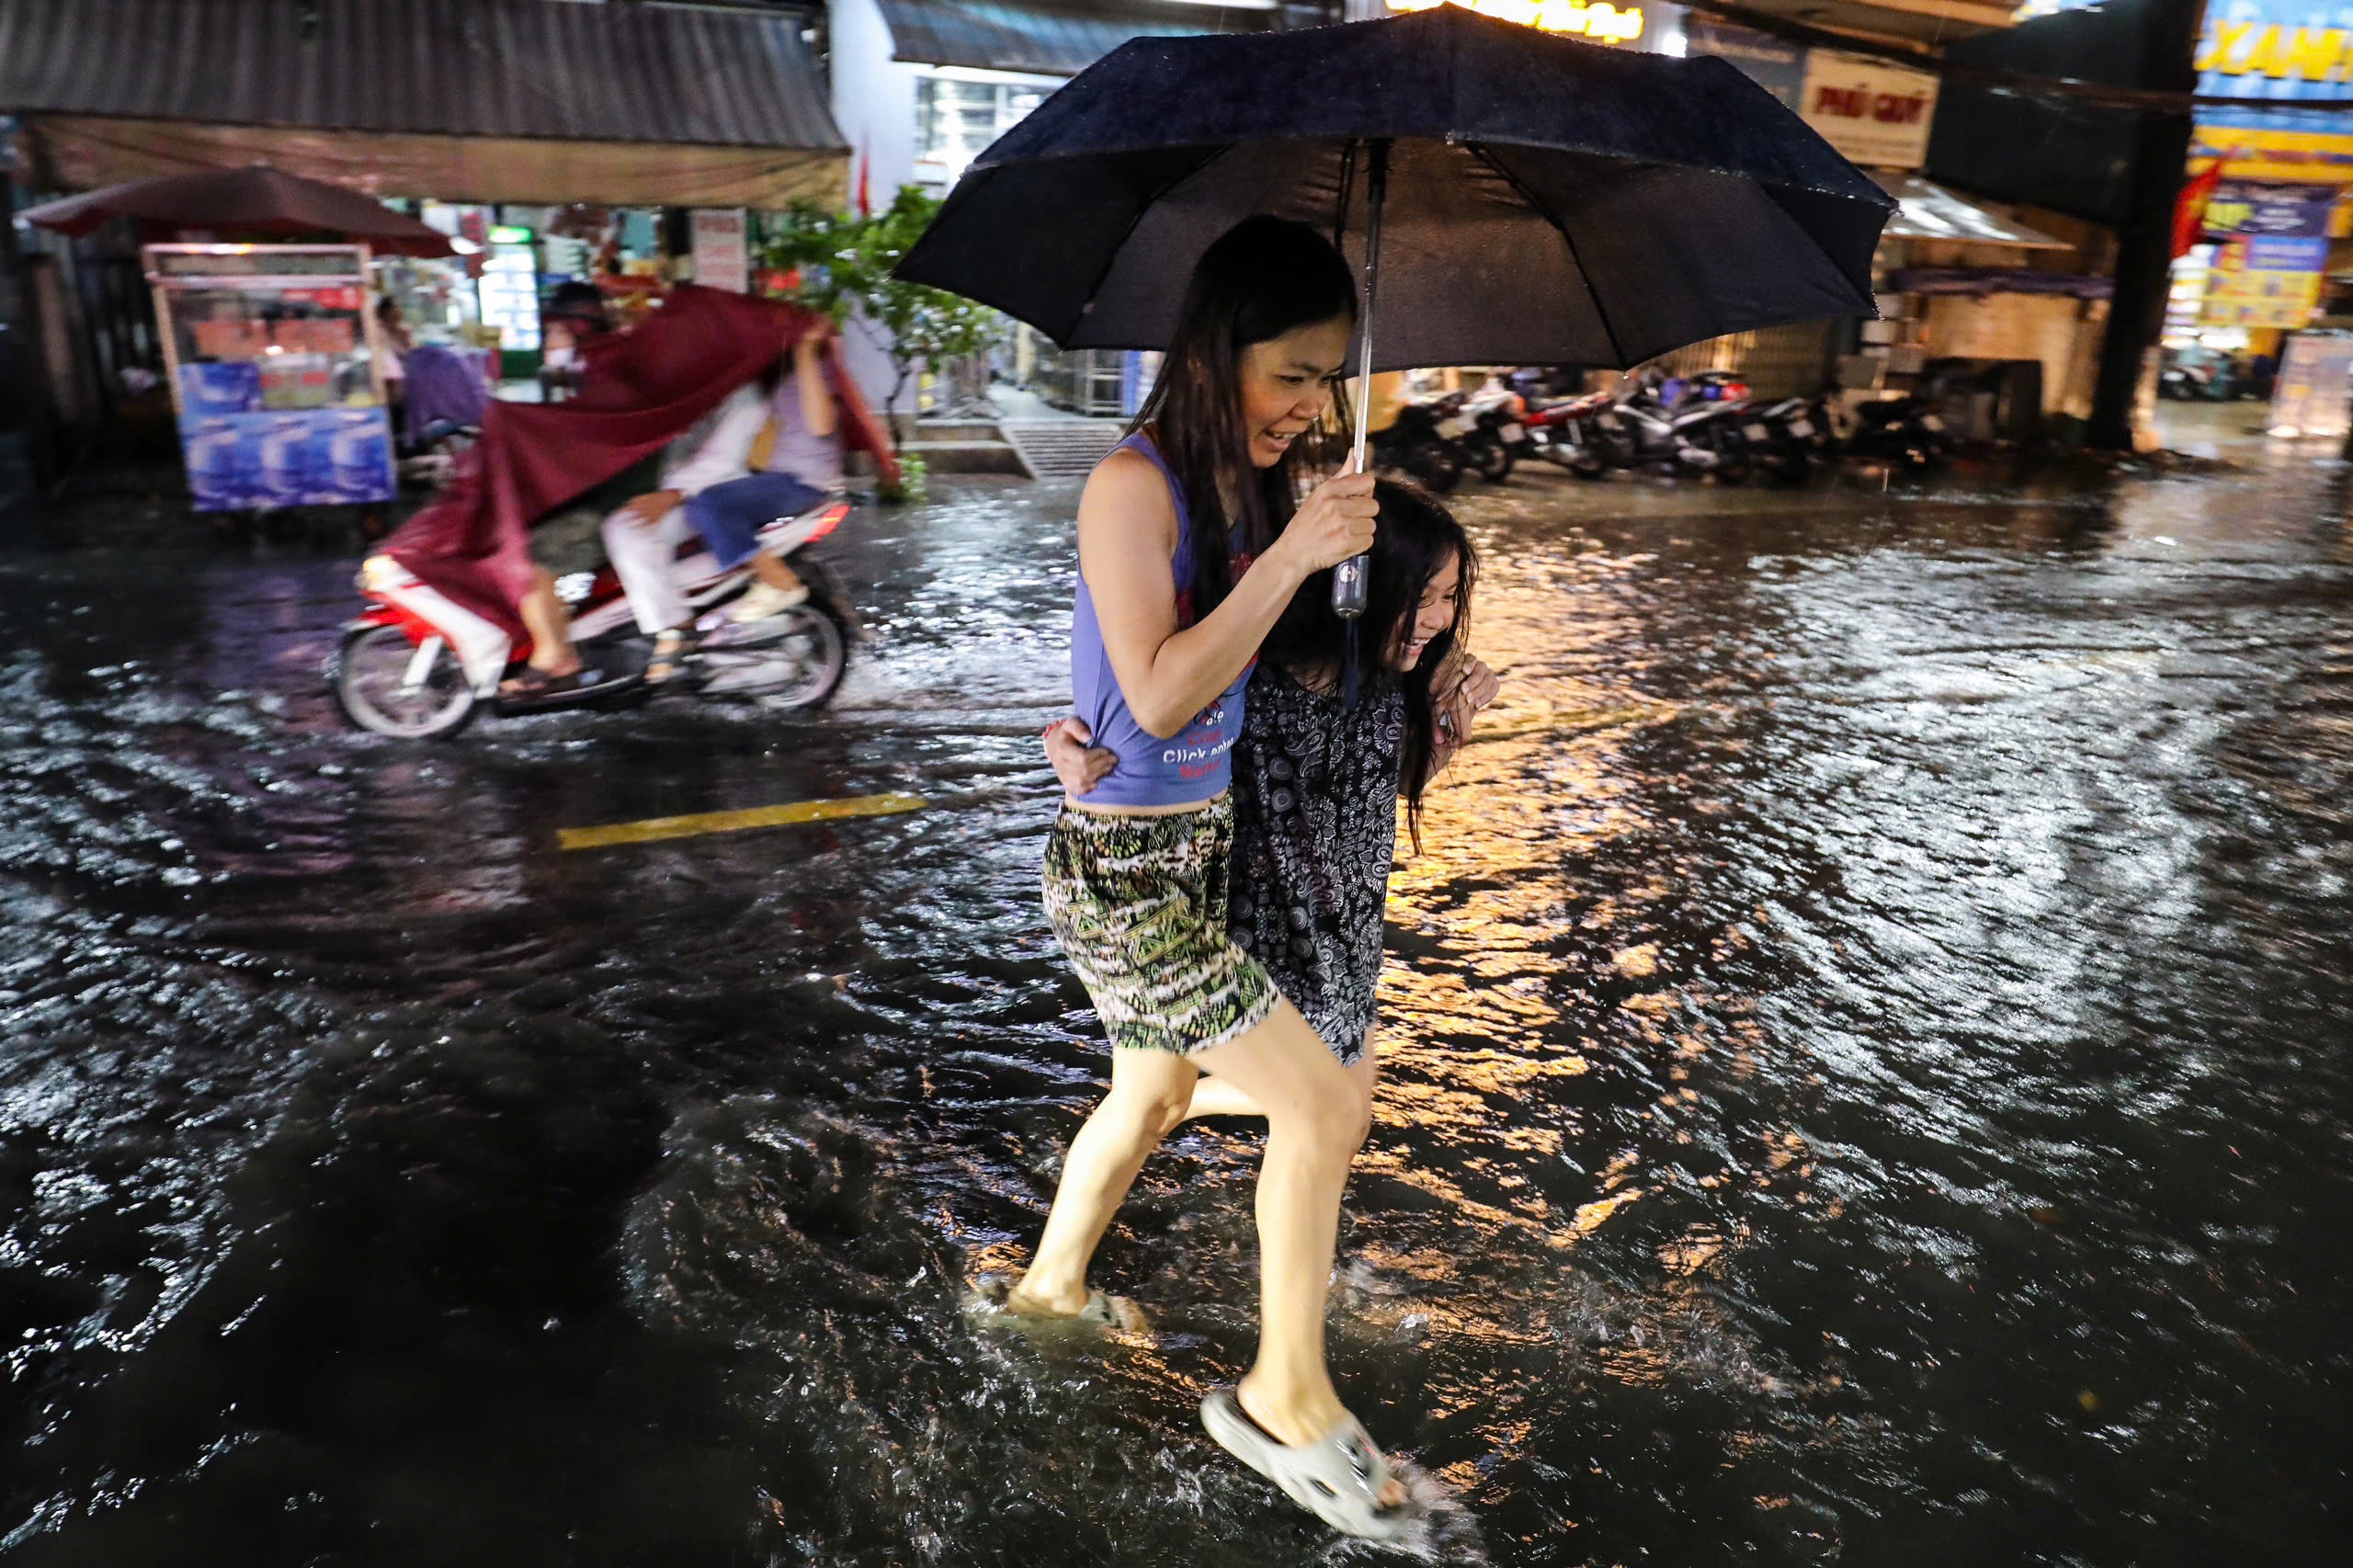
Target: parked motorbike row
1693, 426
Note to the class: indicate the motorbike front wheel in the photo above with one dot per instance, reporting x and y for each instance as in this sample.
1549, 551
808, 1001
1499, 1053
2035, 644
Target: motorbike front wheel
378, 685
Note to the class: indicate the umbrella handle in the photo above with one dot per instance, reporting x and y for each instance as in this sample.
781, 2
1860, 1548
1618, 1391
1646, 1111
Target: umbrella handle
1349, 578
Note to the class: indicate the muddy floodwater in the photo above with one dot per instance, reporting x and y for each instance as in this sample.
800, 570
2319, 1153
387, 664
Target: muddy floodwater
1866, 1056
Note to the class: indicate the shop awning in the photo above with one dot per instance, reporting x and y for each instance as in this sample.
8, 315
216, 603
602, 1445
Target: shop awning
1926, 211
511, 100
1979, 281
1045, 39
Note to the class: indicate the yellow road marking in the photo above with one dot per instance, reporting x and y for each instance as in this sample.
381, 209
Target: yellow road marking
653, 828
1576, 718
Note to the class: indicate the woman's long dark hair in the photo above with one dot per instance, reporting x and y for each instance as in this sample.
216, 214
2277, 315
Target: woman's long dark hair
1261, 278
1413, 538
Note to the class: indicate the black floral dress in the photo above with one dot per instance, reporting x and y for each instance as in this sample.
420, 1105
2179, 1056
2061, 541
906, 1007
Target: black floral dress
1315, 837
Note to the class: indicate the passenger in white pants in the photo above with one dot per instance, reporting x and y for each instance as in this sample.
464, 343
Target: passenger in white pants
796, 421
643, 537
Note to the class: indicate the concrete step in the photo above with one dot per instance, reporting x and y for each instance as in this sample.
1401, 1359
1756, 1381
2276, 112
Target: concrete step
1062, 448
956, 430
966, 457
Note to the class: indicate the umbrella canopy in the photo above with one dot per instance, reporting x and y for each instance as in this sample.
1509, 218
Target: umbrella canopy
253, 199
1548, 200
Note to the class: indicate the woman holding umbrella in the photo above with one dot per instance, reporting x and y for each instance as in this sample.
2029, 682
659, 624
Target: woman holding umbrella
1544, 201
1191, 548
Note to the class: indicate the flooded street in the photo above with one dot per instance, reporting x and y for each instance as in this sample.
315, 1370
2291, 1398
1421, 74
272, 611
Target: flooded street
1866, 1071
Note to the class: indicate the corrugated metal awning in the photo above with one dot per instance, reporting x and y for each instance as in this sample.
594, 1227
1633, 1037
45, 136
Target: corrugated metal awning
1044, 39
1926, 211
84, 151
553, 69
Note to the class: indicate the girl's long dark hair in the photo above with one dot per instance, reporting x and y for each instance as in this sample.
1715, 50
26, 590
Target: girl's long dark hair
1261, 278
1413, 539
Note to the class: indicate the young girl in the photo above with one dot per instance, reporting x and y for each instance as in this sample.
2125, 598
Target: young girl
1317, 782
1190, 550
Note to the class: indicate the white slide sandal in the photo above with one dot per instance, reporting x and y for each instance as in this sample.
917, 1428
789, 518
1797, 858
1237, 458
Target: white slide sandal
1338, 1479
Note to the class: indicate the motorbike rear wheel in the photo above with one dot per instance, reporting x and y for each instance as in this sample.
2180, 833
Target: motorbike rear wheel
1431, 465
1489, 456
369, 674
1731, 466
1587, 464
800, 664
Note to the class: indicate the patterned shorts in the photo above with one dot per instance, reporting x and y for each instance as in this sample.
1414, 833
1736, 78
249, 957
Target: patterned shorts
1139, 903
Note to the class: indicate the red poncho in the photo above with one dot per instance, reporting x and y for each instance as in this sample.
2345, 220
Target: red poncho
641, 390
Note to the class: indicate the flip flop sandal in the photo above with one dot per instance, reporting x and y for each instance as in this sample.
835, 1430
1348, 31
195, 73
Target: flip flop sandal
673, 653
1338, 1479
1103, 1310
534, 684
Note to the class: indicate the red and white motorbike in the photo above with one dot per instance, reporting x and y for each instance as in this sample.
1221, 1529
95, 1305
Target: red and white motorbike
417, 665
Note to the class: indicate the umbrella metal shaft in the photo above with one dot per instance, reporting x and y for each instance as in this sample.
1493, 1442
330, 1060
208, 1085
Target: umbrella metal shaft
1348, 577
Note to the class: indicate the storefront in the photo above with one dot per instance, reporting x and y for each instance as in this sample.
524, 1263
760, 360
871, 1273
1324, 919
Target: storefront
2268, 281
922, 86
2002, 307
557, 138
1876, 115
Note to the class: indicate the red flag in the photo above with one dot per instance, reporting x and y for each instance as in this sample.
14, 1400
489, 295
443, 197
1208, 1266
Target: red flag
2189, 208
865, 177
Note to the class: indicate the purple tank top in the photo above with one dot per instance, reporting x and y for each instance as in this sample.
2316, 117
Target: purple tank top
1189, 767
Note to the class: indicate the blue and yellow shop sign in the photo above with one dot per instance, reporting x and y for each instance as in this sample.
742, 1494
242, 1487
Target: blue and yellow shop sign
2285, 60
1600, 22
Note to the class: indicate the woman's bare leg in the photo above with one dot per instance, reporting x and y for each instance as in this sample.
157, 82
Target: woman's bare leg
768, 569
1214, 1097
549, 625
1148, 1091
1317, 1113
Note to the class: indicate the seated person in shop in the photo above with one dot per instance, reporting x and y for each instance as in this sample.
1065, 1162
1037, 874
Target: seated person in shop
773, 449
392, 344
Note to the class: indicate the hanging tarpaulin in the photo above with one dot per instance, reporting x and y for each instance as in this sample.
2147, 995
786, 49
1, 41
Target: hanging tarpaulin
2261, 281
1774, 64
2250, 207
480, 100
1979, 281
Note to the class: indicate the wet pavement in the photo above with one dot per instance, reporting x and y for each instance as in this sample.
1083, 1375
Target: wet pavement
1866, 1071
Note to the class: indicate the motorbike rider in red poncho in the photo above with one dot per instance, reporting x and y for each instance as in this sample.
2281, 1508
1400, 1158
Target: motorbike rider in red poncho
639, 392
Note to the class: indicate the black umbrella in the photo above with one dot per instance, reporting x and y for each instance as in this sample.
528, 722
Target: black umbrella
1536, 200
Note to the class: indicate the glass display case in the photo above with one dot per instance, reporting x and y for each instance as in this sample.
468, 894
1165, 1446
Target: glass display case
270, 354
